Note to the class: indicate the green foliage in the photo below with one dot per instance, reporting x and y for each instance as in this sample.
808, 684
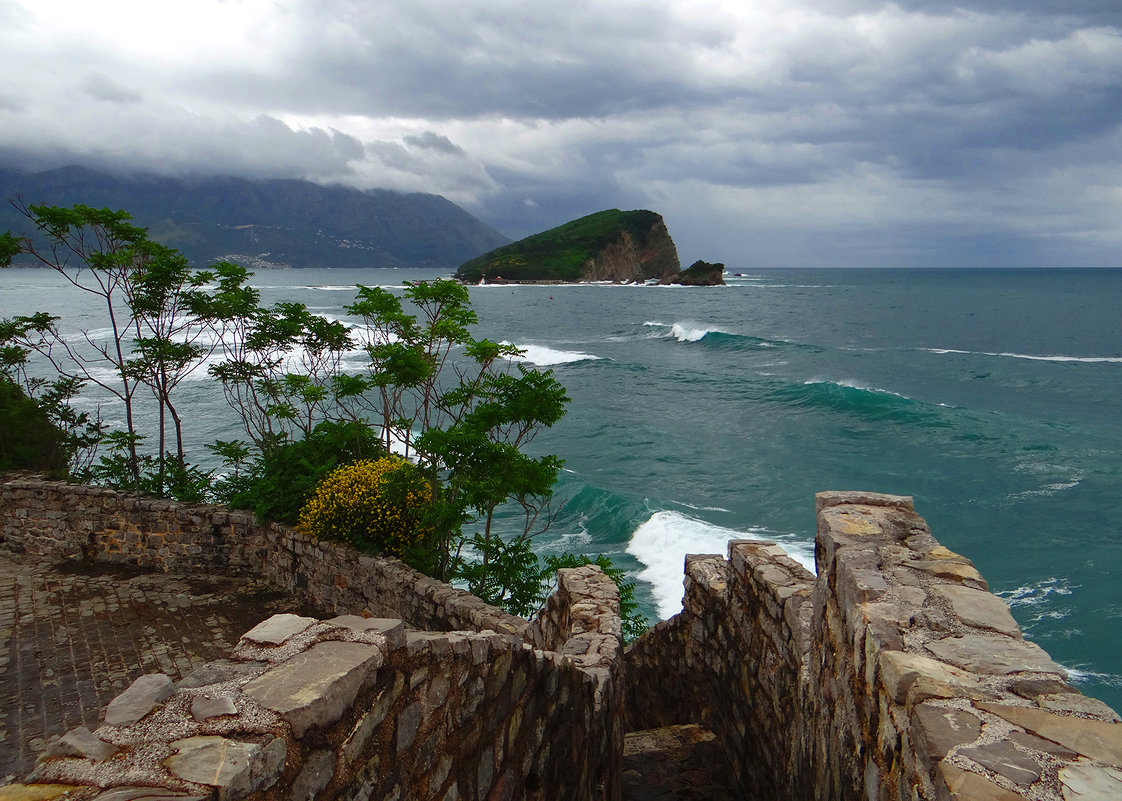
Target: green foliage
29, 440
142, 287
505, 574
279, 396
374, 505
560, 253
634, 623
167, 477
460, 407
51, 399
280, 481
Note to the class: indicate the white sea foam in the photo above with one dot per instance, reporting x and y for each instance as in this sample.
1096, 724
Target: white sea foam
692, 332
1077, 675
1062, 478
663, 541
700, 508
545, 356
850, 383
1037, 593
1029, 356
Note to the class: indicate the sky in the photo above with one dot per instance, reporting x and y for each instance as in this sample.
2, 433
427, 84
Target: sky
768, 133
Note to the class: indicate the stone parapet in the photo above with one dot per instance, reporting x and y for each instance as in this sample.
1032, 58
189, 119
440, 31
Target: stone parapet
893, 674
480, 705
70, 521
349, 708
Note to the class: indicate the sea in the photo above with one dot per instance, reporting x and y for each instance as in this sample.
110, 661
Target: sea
699, 415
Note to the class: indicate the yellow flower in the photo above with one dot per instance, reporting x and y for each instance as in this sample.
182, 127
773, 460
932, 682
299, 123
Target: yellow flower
374, 504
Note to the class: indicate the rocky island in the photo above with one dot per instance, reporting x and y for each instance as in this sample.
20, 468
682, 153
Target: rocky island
700, 273
611, 245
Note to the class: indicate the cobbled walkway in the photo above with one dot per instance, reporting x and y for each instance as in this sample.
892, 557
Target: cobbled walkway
73, 635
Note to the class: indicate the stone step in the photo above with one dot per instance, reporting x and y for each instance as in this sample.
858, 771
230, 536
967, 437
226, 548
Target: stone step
675, 763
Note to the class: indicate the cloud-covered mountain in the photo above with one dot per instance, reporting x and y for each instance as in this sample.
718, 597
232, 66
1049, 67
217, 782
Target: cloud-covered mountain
267, 221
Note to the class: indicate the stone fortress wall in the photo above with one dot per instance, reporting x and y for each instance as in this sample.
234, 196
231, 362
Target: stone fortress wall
893, 674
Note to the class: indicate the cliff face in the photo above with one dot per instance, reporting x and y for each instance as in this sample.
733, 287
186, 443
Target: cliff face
631, 257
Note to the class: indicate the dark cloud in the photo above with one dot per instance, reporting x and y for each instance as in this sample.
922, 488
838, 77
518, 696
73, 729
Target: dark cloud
429, 140
828, 127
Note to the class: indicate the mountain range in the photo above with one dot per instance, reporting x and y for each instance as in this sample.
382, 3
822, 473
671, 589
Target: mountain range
265, 222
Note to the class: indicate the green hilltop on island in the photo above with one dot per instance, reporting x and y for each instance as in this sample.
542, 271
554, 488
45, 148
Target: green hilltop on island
611, 245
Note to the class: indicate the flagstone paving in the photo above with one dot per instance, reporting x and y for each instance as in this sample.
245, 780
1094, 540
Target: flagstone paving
73, 635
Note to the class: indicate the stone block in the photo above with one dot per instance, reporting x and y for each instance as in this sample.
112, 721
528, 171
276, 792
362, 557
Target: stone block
233, 768
83, 743
220, 671
1080, 704
315, 687
205, 707
318, 770
1004, 759
979, 609
142, 696
959, 785
1032, 688
912, 678
408, 724
938, 730
1094, 739
1091, 783
993, 654
278, 628
390, 628
824, 500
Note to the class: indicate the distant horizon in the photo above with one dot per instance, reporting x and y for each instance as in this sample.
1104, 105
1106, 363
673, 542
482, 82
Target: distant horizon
481, 216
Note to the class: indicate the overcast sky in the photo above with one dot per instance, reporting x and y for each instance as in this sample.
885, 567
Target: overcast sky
767, 132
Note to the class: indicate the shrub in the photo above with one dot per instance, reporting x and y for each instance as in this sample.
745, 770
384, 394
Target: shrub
28, 438
278, 484
372, 505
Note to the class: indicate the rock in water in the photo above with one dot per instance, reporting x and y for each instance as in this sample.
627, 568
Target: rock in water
700, 273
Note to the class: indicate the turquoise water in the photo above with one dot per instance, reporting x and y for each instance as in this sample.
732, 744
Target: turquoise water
698, 415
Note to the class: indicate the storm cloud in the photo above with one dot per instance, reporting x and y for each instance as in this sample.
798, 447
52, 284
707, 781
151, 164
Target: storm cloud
816, 132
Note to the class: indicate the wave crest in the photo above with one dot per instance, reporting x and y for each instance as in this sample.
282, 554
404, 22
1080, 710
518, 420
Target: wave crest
662, 542
1029, 356
545, 356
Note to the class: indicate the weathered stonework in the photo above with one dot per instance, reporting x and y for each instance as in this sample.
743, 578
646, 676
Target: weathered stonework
339, 710
892, 674
82, 522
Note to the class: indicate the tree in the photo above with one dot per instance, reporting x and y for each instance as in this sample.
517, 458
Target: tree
80, 433
466, 412
279, 363
144, 288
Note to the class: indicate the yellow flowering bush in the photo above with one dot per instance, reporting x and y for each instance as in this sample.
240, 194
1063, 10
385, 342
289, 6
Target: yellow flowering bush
371, 504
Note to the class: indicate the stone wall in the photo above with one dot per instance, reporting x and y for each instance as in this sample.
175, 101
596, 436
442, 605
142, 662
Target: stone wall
894, 674
478, 705
352, 709
73, 521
